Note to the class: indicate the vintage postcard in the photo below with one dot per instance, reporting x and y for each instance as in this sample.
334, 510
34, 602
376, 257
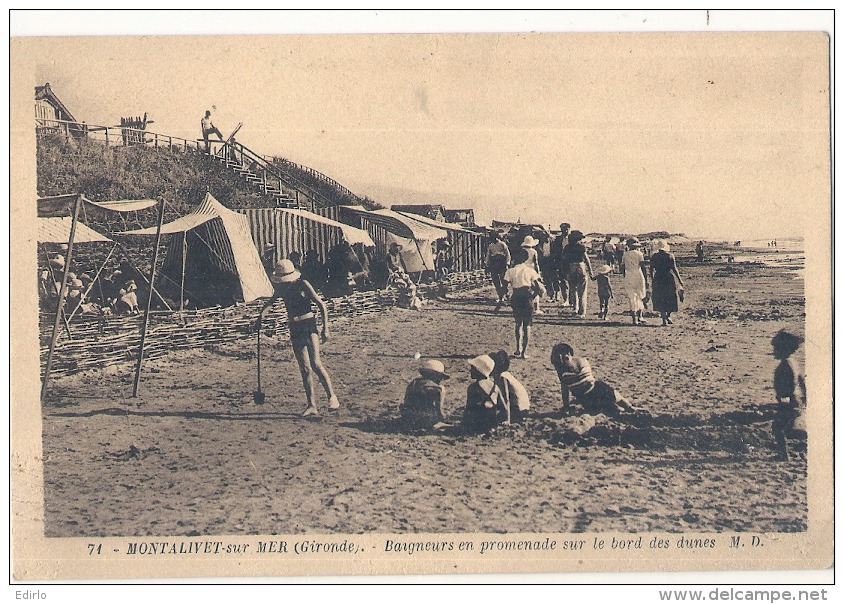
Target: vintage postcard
420, 304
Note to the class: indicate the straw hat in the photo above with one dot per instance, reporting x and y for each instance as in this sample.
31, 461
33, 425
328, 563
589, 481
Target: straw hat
435, 367
530, 242
633, 243
484, 364
285, 272
661, 244
605, 269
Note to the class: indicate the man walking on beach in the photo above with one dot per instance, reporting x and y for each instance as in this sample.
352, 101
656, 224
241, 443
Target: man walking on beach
497, 263
699, 251
557, 245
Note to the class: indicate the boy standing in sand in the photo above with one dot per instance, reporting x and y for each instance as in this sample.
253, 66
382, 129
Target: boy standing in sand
527, 285
602, 276
790, 389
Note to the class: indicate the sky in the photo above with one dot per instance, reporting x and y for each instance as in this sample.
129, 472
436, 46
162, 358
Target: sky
714, 135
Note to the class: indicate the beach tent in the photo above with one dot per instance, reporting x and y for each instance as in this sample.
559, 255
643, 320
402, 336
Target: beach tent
468, 248
58, 222
413, 235
292, 230
211, 258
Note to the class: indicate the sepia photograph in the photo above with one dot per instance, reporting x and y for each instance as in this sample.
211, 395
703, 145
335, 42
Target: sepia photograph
420, 303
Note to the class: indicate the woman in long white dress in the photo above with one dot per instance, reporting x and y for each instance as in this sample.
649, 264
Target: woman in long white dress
635, 279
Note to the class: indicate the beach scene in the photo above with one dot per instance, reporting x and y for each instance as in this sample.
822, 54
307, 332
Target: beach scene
492, 283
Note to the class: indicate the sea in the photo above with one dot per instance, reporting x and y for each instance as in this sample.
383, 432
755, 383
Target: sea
788, 253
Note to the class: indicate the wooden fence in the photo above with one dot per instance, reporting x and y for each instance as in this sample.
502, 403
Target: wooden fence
100, 342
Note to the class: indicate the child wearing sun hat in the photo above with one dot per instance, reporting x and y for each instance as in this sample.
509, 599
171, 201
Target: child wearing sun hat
485, 404
602, 276
424, 398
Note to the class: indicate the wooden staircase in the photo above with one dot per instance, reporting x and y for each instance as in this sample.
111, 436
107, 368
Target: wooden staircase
284, 197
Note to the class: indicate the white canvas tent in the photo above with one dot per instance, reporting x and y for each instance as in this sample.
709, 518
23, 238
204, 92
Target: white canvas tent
212, 257
414, 236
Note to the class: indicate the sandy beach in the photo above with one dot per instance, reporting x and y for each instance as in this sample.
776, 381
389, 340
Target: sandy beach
194, 455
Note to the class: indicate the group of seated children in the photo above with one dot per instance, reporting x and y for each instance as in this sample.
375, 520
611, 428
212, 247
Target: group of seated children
496, 397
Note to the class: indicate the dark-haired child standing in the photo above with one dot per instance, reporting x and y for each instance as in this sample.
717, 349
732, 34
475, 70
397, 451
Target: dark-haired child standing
790, 389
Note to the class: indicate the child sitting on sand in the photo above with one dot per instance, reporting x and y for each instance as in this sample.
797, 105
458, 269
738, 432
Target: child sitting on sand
790, 389
516, 396
602, 276
485, 406
576, 379
424, 397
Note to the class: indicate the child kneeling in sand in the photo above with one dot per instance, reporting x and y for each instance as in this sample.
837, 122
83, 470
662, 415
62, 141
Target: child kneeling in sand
790, 389
516, 396
424, 397
576, 379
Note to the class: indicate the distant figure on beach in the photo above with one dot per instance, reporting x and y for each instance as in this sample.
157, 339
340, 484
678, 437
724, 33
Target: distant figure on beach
208, 128
579, 266
299, 297
666, 283
485, 404
550, 276
608, 250
497, 263
790, 390
424, 398
699, 251
516, 396
635, 275
620, 248
529, 244
602, 276
557, 246
526, 285
577, 382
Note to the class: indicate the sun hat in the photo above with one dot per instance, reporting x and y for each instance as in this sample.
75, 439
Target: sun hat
285, 272
484, 364
530, 242
633, 242
433, 366
661, 244
575, 236
605, 269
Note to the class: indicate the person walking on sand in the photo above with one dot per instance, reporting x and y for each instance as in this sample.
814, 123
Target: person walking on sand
497, 263
579, 266
299, 297
635, 275
424, 398
666, 284
602, 276
790, 390
526, 285
529, 244
699, 251
557, 246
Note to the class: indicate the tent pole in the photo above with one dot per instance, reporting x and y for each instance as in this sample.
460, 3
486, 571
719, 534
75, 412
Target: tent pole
182, 286
96, 280
149, 299
64, 315
62, 293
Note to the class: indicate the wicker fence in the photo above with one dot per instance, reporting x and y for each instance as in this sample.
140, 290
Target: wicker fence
99, 342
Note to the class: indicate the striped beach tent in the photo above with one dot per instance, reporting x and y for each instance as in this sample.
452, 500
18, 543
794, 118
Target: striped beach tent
211, 258
387, 226
279, 231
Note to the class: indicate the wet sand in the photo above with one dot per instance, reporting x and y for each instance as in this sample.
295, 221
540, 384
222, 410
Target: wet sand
194, 455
